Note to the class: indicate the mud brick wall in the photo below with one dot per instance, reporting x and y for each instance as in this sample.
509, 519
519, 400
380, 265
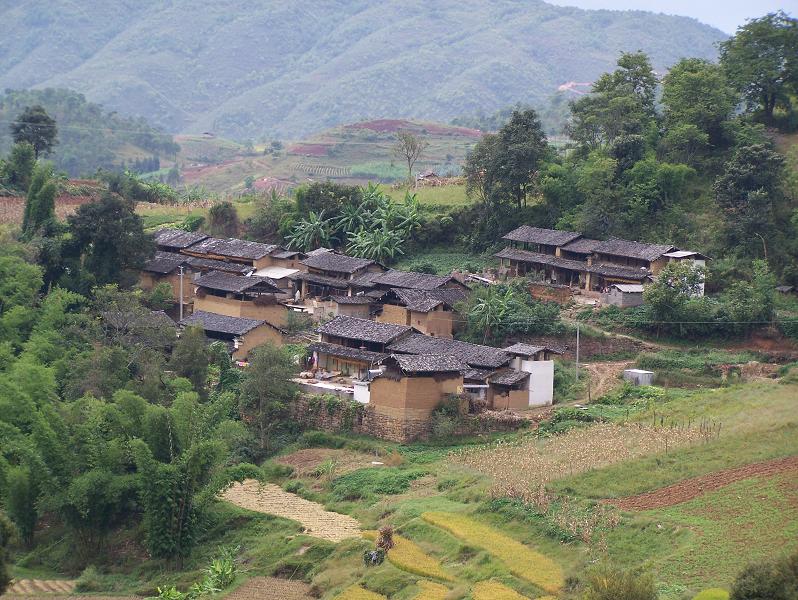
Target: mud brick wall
550, 292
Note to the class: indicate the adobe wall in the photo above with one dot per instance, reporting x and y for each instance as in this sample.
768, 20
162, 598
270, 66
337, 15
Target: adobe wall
394, 314
550, 292
258, 336
276, 314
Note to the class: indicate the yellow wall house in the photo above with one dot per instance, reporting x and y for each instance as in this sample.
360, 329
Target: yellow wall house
429, 311
240, 334
330, 273
165, 267
252, 297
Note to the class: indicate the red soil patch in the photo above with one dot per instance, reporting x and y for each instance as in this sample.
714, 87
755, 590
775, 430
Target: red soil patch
696, 486
200, 171
308, 149
394, 125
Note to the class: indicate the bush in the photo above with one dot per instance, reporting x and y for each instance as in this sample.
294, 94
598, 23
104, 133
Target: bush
89, 580
606, 583
770, 580
712, 594
373, 481
321, 439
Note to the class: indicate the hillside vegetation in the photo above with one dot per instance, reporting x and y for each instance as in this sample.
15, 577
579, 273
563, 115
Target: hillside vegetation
286, 70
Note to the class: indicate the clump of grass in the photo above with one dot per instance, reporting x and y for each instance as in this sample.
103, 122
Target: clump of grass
365, 483
431, 591
409, 557
712, 594
520, 560
493, 590
356, 592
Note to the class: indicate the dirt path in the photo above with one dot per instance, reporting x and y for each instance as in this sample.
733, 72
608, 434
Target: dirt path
271, 499
34, 587
604, 376
695, 486
271, 588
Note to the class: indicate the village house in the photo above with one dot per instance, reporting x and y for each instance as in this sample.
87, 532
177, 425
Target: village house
543, 241
349, 346
175, 240
174, 270
252, 297
429, 311
346, 306
413, 280
241, 335
410, 387
330, 273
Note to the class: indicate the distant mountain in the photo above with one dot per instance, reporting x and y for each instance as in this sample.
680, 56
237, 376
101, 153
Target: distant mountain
247, 69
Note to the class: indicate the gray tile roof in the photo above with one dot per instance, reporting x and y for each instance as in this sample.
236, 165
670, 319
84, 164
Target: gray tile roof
222, 323
165, 262
474, 355
619, 271
477, 374
346, 352
282, 253
178, 238
630, 249
581, 246
411, 280
353, 328
629, 288
429, 363
335, 282
229, 282
210, 264
524, 349
352, 299
427, 300
335, 262
541, 259
365, 280
234, 248
508, 377
535, 235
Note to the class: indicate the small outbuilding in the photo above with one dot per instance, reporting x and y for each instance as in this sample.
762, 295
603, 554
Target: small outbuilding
639, 376
624, 295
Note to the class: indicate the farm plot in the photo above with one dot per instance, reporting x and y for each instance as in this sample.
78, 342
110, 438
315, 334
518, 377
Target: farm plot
271, 499
518, 469
12, 208
409, 557
308, 461
493, 590
271, 588
431, 591
34, 587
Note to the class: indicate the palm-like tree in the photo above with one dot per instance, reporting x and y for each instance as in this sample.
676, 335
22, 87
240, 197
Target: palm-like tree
377, 244
489, 311
352, 218
310, 233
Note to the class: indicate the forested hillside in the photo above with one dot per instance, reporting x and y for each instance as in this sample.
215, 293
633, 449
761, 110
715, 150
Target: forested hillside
284, 70
89, 137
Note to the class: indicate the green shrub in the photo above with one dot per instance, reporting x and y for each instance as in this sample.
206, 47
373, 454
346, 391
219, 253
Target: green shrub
712, 594
273, 471
373, 482
571, 414
606, 583
771, 580
321, 439
89, 580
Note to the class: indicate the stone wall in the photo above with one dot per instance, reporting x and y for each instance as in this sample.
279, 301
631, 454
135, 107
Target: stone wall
336, 415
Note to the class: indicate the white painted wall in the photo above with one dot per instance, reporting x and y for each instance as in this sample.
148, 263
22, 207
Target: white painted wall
541, 381
362, 392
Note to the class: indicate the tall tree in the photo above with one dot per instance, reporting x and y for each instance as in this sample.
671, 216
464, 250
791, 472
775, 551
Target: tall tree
7, 536
223, 219
760, 61
109, 238
18, 169
40, 202
409, 148
523, 148
695, 92
37, 128
266, 390
191, 356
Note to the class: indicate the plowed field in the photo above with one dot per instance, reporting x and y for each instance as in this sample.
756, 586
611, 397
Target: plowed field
33, 587
695, 486
271, 588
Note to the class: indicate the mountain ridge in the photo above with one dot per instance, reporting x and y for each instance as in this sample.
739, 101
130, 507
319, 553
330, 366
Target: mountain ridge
284, 70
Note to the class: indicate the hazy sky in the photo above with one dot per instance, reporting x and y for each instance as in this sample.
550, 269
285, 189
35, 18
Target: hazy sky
726, 15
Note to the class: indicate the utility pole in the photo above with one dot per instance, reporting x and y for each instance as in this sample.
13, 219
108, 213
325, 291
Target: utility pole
577, 351
181, 292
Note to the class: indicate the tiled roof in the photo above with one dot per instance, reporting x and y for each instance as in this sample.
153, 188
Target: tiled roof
335, 282
282, 253
524, 349
346, 352
630, 249
473, 355
508, 377
535, 235
353, 328
338, 263
352, 299
229, 282
411, 280
165, 262
477, 374
210, 264
221, 323
427, 300
541, 259
629, 288
178, 238
234, 248
429, 363
581, 246
365, 280
620, 272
